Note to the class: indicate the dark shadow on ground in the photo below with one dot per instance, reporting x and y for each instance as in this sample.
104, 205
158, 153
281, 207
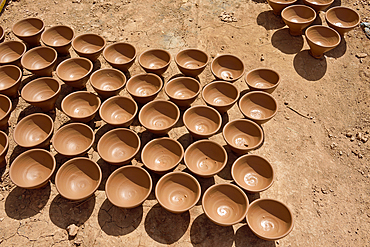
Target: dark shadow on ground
338, 51
269, 21
245, 237
285, 42
309, 68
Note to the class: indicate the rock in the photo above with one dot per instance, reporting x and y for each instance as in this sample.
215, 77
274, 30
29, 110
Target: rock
359, 136
361, 55
333, 145
340, 153
72, 230
352, 138
349, 134
287, 118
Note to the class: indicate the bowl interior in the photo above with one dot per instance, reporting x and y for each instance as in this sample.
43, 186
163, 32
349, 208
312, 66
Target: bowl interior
243, 134
159, 114
11, 51
74, 69
80, 104
120, 53
3, 141
220, 93
108, 79
323, 36
40, 89
202, 120
262, 78
342, 17
191, 59
88, 43
227, 67
319, 2
144, 85
154, 59
57, 36
258, 105
28, 27
9, 75
5, 105
118, 110
39, 57
182, 88
298, 14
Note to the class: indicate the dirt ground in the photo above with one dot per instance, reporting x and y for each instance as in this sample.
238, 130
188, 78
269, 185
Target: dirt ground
321, 160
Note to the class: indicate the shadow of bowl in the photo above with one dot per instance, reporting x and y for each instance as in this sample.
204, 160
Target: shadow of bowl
308, 67
286, 43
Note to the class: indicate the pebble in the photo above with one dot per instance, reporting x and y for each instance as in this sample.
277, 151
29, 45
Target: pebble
287, 118
340, 152
349, 134
72, 230
361, 55
352, 138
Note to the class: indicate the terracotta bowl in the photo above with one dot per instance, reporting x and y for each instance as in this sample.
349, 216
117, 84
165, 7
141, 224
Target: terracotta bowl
73, 139
297, 18
227, 67
262, 79
2, 34
58, 37
4, 146
78, 178
118, 111
202, 121
177, 192
108, 82
182, 91
89, 45
40, 60
75, 71
318, 5
5, 110
119, 146
35, 130
278, 5
32, 169
321, 39
258, 106
11, 52
205, 158
10, 80
161, 155
42, 92
342, 19
144, 87
120, 55
29, 30
155, 61
128, 186
253, 173
270, 219
225, 204
159, 116
220, 95
81, 106
242, 135
191, 62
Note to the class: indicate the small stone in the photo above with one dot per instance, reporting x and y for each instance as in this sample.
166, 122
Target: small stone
324, 190
72, 230
352, 138
340, 153
349, 134
361, 55
364, 139
358, 136
287, 118
262, 57
360, 156
286, 103
333, 145
330, 135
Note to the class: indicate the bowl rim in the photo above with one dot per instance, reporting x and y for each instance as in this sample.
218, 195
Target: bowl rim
88, 34
16, 81
282, 3
220, 82
182, 78
10, 106
245, 96
299, 6
3, 33
318, 4
226, 55
103, 105
261, 69
191, 49
6, 43
325, 27
143, 74
36, 80
39, 48
53, 28
342, 7
205, 107
68, 60
116, 44
103, 70
6, 144
151, 50
27, 19
80, 93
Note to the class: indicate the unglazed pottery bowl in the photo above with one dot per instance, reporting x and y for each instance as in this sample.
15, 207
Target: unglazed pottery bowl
118, 111
205, 158
159, 116
89, 45
270, 219
191, 62
297, 18
225, 204
227, 67
32, 169
78, 178
155, 61
342, 19
34, 130
11, 52
144, 87
29, 30
182, 91
120, 55
202, 121
2, 34
318, 5
58, 37
5, 110
220, 95
42, 92
162, 154
262, 79
108, 82
40, 60
253, 173
4, 146
177, 192
128, 186
73, 139
278, 5
321, 39
75, 71
10, 80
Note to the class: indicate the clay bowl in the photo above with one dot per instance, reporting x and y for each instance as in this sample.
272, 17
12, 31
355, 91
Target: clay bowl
10, 80
182, 91
4, 146
258, 106
78, 178
270, 219
108, 82
5, 110
227, 67
161, 155
120, 55
34, 130
11, 52
253, 173
202, 121
205, 158
32, 169
225, 204
220, 95
128, 186
278, 5
144, 87
81, 106
40, 60
342, 19
297, 18
73, 139
2, 34
89, 45
262, 79
159, 116
318, 5
119, 146
177, 192
321, 39
75, 71
191, 62
155, 61
242, 135
29, 30
42, 92
58, 37
118, 111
